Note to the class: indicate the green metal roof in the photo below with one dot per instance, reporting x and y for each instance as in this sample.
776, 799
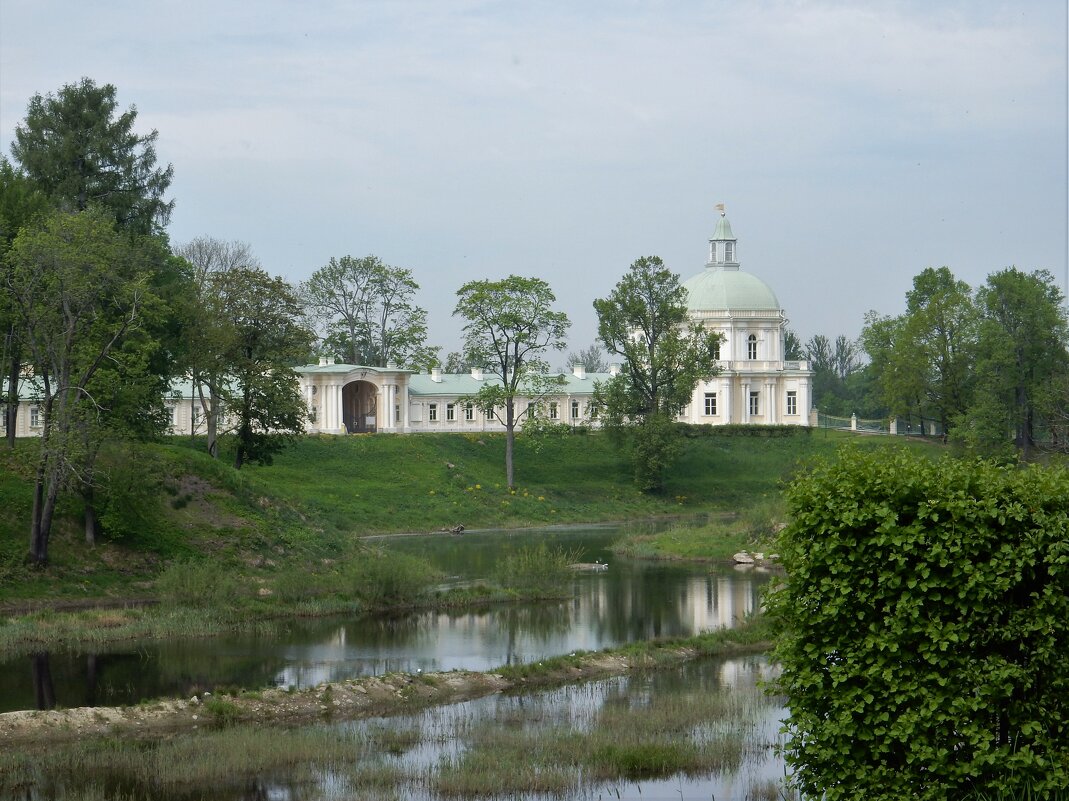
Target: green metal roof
723, 229
723, 288
464, 384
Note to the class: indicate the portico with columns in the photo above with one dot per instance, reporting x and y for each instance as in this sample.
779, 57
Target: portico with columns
355, 399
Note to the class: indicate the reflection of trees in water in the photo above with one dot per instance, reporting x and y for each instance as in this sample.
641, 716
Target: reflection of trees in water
528, 622
43, 692
632, 601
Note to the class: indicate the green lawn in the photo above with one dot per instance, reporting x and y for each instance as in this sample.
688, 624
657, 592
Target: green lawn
169, 501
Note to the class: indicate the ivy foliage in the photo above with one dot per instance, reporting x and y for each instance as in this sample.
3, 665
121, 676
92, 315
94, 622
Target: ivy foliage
925, 628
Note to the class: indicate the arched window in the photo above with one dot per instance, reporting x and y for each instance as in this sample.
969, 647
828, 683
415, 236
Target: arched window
751, 346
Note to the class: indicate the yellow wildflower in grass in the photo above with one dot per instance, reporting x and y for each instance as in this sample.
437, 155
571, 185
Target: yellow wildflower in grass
478, 486
541, 497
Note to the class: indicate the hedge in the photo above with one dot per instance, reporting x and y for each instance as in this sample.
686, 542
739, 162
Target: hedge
924, 628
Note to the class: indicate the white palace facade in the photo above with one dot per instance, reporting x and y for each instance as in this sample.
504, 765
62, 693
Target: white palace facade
755, 383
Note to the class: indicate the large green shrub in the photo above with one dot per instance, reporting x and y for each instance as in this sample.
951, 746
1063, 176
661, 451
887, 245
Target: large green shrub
925, 628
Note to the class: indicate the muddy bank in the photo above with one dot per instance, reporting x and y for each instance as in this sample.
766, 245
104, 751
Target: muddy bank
376, 696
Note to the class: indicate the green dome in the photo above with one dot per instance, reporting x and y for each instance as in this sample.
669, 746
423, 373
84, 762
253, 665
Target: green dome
720, 289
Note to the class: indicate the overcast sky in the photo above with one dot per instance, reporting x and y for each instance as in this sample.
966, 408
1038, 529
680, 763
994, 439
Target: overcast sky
854, 143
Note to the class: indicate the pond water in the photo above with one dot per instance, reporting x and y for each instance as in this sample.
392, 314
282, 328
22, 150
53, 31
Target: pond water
538, 746
630, 601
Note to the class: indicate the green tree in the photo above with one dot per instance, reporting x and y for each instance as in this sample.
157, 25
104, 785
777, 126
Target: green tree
77, 150
923, 624
83, 292
833, 365
208, 343
1021, 356
369, 311
267, 339
926, 357
508, 325
20, 202
792, 346
592, 358
644, 321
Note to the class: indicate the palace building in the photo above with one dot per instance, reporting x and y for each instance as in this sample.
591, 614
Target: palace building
755, 383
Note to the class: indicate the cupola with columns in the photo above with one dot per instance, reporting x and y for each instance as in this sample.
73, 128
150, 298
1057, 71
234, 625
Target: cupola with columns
723, 247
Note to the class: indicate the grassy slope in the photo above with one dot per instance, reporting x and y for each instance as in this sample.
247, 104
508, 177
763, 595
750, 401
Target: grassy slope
325, 491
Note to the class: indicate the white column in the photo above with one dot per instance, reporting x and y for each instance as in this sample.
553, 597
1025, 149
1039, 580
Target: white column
405, 422
391, 402
746, 401
770, 390
336, 403
726, 402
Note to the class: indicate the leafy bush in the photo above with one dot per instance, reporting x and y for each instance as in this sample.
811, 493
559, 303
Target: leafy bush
924, 628
386, 578
190, 583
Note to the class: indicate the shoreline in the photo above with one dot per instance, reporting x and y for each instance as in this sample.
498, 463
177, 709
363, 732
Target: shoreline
374, 696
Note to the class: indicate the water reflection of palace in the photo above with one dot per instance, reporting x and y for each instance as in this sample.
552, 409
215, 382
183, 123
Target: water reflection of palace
607, 610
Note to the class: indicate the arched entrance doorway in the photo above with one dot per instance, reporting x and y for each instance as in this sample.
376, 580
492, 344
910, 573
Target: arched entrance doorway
358, 400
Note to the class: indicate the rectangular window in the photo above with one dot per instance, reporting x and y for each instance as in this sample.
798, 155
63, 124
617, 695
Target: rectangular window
681, 411
755, 405
432, 412
729, 251
35, 417
397, 413
554, 414
469, 412
575, 410
792, 402
531, 410
450, 412
592, 411
710, 403
751, 347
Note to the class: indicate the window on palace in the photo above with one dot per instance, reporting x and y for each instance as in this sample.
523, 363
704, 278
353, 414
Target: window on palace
35, 417
755, 406
792, 402
712, 252
469, 412
592, 411
450, 411
575, 410
554, 414
532, 409
751, 346
715, 350
397, 414
729, 251
710, 403
432, 412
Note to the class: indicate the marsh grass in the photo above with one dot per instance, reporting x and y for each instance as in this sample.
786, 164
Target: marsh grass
563, 743
536, 569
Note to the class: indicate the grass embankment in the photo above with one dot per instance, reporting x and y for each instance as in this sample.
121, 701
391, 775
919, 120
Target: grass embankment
267, 542
752, 471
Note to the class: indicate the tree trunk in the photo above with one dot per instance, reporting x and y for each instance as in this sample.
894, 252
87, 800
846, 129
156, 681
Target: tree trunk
92, 522
510, 439
11, 412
